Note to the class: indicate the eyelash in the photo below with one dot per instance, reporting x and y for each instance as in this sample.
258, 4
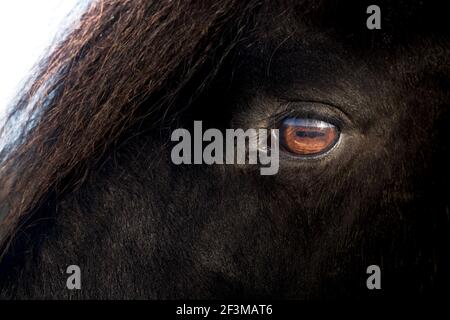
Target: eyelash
276, 120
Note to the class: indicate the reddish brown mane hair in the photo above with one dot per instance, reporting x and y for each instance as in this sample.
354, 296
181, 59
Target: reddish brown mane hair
91, 89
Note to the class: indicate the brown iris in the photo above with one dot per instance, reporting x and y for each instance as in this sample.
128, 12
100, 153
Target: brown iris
306, 137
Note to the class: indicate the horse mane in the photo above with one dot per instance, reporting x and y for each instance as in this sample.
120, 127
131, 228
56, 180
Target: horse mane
121, 62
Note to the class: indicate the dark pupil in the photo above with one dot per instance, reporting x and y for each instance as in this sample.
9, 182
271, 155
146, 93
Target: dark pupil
309, 134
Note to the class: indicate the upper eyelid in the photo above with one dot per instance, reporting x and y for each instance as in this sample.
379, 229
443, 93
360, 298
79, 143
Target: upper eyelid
326, 103
327, 113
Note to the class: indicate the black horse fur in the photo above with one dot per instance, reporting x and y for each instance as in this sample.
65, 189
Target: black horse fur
89, 180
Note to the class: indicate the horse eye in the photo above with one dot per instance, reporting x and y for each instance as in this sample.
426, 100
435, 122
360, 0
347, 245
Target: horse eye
307, 137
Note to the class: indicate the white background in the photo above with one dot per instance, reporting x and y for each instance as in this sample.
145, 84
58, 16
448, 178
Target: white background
27, 28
